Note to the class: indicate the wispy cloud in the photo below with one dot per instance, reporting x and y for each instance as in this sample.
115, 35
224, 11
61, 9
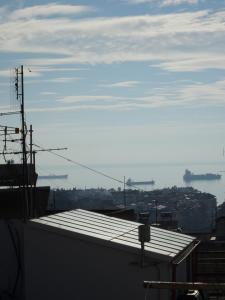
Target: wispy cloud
186, 94
87, 98
165, 2
112, 107
48, 93
194, 39
122, 84
56, 70
47, 10
192, 63
11, 72
204, 94
178, 2
64, 79
38, 72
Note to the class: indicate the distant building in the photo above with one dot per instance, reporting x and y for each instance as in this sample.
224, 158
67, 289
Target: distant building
220, 228
168, 220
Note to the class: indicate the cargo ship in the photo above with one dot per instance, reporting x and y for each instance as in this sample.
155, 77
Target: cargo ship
53, 176
189, 176
131, 182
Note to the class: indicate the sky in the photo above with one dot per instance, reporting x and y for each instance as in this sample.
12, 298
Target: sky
118, 81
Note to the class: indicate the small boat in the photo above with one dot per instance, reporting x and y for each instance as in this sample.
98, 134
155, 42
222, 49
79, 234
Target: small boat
131, 182
189, 176
53, 176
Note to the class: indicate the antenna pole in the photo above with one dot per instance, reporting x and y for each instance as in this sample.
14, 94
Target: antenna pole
23, 125
16, 83
20, 95
31, 145
124, 192
25, 175
31, 174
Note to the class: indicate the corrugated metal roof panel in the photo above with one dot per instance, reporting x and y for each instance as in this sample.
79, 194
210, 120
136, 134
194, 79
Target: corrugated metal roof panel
165, 244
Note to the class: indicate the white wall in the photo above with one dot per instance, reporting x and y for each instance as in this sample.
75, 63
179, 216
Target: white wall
61, 267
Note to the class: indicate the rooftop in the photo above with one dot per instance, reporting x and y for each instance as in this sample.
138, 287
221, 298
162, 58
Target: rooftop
113, 232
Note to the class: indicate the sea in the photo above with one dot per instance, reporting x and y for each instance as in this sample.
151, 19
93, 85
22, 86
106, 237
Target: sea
165, 175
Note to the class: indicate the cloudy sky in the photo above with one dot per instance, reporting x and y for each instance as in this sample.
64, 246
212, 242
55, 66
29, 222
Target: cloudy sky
119, 81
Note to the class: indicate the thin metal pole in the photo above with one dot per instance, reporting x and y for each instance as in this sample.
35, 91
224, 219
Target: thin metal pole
25, 173
31, 175
124, 192
17, 84
156, 211
31, 145
34, 194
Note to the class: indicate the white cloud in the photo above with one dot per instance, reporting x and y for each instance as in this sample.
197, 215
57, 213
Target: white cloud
164, 2
5, 73
64, 79
55, 80
204, 94
192, 63
35, 71
4, 108
112, 107
186, 95
122, 84
178, 2
56, 70
194, 39
48, 93
48, 10
87, 98
11, 73
140, 1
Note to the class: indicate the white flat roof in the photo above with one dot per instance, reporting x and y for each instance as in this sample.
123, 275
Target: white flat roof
164, 244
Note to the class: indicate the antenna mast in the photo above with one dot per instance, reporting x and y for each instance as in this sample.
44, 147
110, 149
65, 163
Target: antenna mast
19, 85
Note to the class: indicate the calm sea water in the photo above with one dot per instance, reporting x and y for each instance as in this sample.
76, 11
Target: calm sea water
164, 175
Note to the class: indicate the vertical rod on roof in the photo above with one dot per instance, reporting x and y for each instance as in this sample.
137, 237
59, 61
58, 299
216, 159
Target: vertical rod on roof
124, 192
31, 145
156, 211
24, 158
31, 174
16, 83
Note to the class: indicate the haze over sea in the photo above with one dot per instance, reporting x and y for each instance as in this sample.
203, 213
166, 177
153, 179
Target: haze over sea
164, 175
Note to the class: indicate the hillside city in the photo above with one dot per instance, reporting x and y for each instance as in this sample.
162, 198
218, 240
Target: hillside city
179, 205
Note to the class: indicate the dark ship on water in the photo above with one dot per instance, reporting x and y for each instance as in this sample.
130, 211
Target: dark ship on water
53, 176
130, 182
189, 176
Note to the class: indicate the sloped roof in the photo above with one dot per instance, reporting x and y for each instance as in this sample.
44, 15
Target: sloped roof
164, 244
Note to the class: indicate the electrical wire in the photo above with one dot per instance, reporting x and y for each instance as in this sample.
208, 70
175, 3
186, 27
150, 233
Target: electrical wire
88, 168
83, 166
135, 228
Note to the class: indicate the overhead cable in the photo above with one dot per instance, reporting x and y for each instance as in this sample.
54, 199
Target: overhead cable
85, 167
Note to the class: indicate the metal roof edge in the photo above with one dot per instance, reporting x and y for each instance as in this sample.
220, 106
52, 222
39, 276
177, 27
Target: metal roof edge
186, 252
98, 241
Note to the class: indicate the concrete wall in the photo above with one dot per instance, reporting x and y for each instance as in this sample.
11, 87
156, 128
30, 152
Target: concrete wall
11, 260
63, 267
60, 267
